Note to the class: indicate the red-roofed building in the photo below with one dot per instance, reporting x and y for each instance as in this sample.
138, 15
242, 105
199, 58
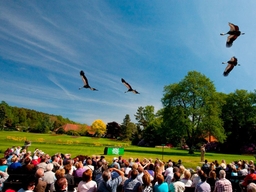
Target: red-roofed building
76, 128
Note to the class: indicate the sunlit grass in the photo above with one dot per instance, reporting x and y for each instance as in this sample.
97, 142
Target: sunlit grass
51, 144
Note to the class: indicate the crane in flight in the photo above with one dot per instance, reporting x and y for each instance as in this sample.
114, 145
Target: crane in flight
86, 84
130, 89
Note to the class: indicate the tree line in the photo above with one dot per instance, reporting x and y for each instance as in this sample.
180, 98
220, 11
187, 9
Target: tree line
22, 119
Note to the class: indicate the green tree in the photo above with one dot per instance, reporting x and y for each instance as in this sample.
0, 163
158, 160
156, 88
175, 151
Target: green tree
99, 127
2, 116
192, 110
239, 116
128, 128
145, 115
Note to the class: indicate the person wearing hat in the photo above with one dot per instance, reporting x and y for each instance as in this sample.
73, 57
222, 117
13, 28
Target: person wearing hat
115, 163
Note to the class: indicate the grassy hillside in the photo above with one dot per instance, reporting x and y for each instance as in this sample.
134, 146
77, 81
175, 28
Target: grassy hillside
52, 144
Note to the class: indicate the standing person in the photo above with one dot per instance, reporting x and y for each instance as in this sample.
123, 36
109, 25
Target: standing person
202, 152
203, 186
87, 184
108, 184
223, 185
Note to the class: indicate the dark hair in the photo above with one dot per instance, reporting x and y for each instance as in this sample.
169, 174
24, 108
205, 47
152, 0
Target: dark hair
134, 173
203, 177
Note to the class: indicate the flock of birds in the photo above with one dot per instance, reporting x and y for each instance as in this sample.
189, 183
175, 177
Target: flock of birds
233, 34
87, 86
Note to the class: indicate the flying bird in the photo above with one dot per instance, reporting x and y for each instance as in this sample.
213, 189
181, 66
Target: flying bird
130, 89
86, 84
233, 34
231, 64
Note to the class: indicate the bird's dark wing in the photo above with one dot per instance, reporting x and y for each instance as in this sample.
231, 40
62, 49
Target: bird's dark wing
84, 78
230, 40
126, 84
135, 92
228, 69
233, 27
93, 89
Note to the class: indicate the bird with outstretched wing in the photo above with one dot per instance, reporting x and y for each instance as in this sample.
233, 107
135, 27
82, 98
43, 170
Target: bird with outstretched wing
231, 64
130, 89
233, 34
86, 84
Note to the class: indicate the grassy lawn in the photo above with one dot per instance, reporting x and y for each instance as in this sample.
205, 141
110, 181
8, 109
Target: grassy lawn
52, 144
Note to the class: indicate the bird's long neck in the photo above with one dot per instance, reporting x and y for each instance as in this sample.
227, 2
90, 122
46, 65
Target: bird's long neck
223, 34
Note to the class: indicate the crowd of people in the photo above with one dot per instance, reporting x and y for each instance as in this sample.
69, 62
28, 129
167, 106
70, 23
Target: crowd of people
61, 172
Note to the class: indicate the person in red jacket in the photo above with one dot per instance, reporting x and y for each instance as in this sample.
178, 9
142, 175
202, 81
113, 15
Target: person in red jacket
251, 176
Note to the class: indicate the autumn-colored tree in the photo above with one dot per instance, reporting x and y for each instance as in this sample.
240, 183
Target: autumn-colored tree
99, 127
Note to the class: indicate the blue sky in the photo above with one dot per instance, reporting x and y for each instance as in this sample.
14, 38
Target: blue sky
151, 44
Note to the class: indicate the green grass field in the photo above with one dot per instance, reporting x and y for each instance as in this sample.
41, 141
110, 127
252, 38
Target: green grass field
51, 144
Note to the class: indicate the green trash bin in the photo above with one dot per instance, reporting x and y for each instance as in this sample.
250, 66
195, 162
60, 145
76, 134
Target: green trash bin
113, 151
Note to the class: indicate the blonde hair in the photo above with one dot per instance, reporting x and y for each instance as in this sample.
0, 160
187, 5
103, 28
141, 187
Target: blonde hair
187, 174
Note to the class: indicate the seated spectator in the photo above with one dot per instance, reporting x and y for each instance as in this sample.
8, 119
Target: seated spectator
176, 185
169, 169
127, 168
35, 160
251, 176
223, 184
60, 173
15, 167
49, 175
108, 184
196, 177
206, 167
251, 187
203, 186
186, 180
160, 185
69, 177
87, 184
146, 186
3, 165
61, 185
56, 161
79, 169
140, 174
132, 184
243, 171
42, 163
28, 167
182, 170
89, 165
212, 179
40, 185
115, 163
28, 185
3, 177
